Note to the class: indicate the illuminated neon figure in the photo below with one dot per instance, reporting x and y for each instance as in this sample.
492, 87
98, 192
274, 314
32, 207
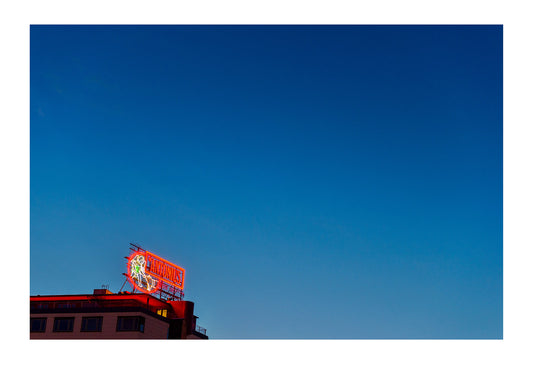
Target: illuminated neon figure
138, 274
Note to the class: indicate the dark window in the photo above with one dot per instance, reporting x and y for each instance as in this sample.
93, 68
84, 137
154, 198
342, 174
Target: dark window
91, 324
88, 304
63, 324
39, 305
133, 323
37, 324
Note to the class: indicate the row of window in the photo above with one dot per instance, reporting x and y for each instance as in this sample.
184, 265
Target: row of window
86, 305
88, 324
64, 305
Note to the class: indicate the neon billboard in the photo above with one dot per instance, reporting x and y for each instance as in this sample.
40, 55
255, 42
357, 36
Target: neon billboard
149, 273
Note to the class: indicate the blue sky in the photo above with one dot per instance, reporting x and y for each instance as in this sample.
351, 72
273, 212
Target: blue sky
314, 181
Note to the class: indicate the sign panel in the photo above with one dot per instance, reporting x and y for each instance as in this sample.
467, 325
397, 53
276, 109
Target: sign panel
147, 272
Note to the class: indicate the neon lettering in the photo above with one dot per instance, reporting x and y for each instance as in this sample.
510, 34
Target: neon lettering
146, 271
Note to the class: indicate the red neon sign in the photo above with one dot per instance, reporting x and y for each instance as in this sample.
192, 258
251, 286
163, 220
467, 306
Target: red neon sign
147, 272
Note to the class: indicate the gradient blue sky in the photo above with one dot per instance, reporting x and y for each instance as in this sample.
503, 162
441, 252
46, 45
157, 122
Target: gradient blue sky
314, 181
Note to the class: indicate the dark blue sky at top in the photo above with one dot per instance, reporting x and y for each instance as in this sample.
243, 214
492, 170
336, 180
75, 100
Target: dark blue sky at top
314, 181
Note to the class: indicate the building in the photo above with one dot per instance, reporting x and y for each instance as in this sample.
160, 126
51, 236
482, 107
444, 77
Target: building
107, 315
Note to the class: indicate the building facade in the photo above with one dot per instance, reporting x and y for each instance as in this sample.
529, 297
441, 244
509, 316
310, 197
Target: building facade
107, 315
